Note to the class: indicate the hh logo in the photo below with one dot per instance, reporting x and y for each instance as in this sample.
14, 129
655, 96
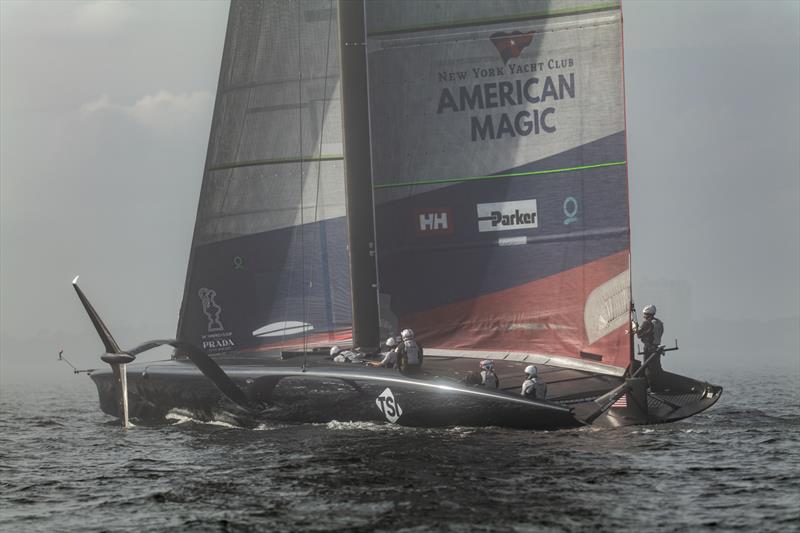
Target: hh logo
511, 45
503, 216
435, 221
389, 406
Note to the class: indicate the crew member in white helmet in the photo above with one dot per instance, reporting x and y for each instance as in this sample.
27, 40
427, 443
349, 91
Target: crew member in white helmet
489, 378
650, 332
390, 357
409, 353
533, 387
344, 356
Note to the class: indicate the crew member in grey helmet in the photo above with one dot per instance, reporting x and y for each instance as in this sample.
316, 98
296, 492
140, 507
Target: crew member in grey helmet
345, 356
409, 353
533, 387
649, 332
489, 377
390, 357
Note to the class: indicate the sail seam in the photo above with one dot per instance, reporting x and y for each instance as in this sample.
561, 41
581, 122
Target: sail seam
277, 161
498, 176
585, 10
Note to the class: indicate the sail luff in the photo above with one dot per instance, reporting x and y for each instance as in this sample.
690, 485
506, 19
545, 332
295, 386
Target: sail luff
203, 186
358, 173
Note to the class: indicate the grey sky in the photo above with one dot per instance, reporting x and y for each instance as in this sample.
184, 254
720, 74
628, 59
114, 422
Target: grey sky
105, 113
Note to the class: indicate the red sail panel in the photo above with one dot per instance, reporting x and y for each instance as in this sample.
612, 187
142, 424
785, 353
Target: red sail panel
544, 316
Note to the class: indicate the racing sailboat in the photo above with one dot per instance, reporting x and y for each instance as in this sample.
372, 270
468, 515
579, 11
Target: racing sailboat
458, 168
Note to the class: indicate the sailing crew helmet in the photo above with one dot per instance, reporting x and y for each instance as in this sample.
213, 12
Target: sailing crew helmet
532, 371
335, 351
488, 364
649, 310
391, 342
407, 334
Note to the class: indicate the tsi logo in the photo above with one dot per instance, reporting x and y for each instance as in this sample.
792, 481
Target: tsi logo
502, 216
389, 406
434, 221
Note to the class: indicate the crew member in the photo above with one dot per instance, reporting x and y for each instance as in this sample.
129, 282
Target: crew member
390, 357
409, 353
344, 356
533, 387
489, 378
650, 332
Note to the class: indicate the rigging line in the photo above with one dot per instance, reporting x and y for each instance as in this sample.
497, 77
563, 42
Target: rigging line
302, 207
498, 176
321, 131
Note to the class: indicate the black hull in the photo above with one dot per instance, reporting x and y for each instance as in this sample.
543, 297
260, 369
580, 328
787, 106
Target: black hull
326, 391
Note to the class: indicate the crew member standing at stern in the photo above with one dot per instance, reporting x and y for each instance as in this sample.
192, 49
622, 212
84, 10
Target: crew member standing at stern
650, 332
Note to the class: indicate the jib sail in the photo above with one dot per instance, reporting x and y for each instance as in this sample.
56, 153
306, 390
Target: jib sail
269, 262
500, 177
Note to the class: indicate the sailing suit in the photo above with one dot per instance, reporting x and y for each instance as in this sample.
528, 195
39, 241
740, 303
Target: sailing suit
409, 357
347, 356
489, 379
534, 389
389, 359
650, 332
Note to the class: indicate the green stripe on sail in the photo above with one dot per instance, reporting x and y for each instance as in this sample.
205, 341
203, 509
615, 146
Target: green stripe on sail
498, 176
583, 10
277, 161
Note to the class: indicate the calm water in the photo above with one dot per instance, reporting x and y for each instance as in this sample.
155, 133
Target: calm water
66, 466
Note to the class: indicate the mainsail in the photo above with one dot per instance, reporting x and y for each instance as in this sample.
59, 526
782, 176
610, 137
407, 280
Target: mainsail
269, 261
500, 176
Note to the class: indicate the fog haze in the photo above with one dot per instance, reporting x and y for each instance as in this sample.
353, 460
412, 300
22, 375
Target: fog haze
105, 111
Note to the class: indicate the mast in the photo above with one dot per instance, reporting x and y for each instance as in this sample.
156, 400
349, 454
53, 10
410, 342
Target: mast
358, 173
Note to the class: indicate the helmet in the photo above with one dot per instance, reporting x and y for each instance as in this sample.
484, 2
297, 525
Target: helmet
531, 371
335, 350
407, 334
488, 364
649, 310
391, 342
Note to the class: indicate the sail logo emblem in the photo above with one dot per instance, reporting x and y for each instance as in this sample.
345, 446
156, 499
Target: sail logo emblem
510, 45
434, 221
504, 216
211, 309
570, 210
389, 406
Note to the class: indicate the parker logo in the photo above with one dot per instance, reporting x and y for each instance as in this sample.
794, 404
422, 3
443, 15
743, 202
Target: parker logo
504, 216
434, 221
510, 44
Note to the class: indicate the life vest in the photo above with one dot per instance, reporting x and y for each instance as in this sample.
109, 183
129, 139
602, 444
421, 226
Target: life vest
411, 349
489, 379
533, 388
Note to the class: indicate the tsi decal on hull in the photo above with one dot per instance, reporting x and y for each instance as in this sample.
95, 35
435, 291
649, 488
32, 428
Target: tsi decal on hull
389, 406
503, 216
